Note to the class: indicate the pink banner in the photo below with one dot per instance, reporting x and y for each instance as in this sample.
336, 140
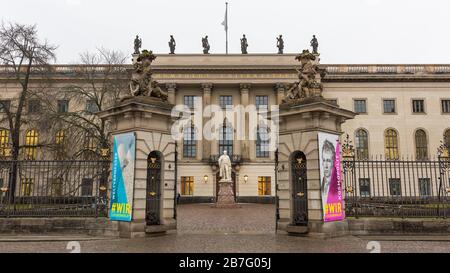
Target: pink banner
331, 180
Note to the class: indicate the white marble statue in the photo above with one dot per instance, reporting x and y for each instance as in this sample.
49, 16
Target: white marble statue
224, 167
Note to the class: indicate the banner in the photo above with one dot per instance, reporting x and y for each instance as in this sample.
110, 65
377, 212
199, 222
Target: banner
330, 177
122, 177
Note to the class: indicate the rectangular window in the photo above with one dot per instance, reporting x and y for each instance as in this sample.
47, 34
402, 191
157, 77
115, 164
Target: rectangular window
56, 186
189, 142
445, 106
34, 106
27, 186
395, 187
389, 106
87, 186
91, 106
187, 185
189, 101
364, 187
360, 106
263, 102
262, 142
226, 102
418, 106
63, 106
264, 185
226, 139
424, 186
4, 105
2, 184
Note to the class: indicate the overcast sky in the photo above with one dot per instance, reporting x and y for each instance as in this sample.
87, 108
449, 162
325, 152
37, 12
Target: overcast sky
349, 31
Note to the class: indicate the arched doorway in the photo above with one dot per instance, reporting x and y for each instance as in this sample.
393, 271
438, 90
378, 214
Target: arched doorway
153, 192
233, 177
299, 189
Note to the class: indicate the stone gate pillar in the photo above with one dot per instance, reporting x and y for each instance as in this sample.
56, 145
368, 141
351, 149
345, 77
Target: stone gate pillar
300, 124
150, 119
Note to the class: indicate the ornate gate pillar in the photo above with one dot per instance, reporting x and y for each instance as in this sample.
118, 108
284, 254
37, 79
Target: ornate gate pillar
304, 113
150, 119
300, 124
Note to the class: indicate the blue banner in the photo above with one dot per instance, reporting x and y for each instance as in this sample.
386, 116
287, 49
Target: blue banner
121, 205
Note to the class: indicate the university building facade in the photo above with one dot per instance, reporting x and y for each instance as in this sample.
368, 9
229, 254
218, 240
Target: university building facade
403, 111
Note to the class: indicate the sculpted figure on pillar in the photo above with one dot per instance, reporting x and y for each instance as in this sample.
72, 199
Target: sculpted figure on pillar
141, 83
137, 44
309, 75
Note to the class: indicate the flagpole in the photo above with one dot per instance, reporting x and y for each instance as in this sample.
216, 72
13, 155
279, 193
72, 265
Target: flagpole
226, 27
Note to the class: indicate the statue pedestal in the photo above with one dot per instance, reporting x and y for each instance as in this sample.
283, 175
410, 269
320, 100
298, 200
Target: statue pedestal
225, 197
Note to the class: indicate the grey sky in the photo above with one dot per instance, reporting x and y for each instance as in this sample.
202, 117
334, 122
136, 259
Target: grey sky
349, 31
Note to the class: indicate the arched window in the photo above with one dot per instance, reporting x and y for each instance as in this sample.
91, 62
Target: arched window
31, 141
59, 137
226, 138
4, 139
262, 141
189, 142
362, 144
447, 137
391, 144
90, 142
421, 145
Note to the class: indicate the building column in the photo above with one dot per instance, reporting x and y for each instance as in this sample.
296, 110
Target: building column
171, 87
207, 145
243, 145
280, 89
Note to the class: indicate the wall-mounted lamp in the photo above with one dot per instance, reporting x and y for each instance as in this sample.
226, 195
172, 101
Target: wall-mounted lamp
205, 178
245, 178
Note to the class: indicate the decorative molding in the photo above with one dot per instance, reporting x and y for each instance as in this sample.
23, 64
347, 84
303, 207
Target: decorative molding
207, 86
171, 86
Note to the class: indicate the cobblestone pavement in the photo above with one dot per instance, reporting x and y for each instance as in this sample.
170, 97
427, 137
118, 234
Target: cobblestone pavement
232, 243
249, 219
250, 228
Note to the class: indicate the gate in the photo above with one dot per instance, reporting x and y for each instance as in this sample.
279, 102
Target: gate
299, 189
153, 193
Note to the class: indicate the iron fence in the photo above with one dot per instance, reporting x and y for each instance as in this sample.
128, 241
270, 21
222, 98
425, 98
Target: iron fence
53, 188
396, 188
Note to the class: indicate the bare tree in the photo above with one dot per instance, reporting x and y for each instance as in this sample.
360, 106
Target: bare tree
101, 80
23, 56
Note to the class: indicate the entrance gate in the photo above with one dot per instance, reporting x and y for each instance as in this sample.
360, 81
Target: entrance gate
153, 193
299, 189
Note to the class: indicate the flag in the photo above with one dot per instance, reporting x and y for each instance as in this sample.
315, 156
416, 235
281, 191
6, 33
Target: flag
225, 21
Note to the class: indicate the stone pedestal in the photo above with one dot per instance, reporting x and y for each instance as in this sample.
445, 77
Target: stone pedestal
300, 124
150, 119
225, 197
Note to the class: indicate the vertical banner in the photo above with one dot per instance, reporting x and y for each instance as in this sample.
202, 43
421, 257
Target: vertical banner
122, 177
330, 177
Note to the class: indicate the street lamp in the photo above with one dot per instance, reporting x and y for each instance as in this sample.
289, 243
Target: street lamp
245, 178
205, 178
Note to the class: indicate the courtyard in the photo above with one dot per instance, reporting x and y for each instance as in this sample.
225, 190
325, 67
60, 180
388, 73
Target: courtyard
248, 219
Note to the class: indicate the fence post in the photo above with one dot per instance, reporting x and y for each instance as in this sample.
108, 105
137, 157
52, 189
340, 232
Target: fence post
443, 159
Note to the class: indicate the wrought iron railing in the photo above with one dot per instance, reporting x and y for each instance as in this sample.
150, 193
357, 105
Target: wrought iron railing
54, 188
395, 188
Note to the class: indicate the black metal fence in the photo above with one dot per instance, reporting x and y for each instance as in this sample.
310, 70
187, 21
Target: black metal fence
396, 188
53, 188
